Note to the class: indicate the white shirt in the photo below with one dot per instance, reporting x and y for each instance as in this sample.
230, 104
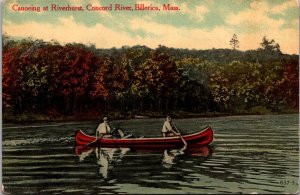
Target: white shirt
167, 127
103, 128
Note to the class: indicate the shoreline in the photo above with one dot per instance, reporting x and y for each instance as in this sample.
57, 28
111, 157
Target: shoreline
28, 118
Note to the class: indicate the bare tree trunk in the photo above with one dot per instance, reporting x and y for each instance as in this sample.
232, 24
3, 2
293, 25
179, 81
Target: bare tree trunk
141, 105
74, 103
67, 105
159, 105
105, 105
167, 105
175, 102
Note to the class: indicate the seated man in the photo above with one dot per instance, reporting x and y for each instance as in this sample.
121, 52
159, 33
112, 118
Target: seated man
103, 129
168, 128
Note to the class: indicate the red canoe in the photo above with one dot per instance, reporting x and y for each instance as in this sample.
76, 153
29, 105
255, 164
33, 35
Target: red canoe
198, 139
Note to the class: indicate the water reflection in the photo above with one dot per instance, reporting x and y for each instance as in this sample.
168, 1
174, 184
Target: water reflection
105, 157
85, 153
103, 161
170, 155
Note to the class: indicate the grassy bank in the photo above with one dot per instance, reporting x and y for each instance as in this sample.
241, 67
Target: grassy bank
38, 117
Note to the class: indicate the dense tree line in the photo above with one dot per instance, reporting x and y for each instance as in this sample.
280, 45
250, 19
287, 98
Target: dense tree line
47, 77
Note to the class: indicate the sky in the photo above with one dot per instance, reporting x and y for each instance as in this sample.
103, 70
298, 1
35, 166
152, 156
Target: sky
199, 24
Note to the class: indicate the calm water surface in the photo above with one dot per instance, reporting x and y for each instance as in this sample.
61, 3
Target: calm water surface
249, 154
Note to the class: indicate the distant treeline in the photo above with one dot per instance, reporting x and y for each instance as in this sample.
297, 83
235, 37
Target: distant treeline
50, 78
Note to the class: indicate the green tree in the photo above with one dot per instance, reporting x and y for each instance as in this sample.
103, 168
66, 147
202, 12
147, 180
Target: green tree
193, 91
284, 87
155, 80
234, 42
270, 45
236, 86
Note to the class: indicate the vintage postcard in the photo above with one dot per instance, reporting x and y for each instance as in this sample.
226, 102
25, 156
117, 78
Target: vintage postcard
150, 97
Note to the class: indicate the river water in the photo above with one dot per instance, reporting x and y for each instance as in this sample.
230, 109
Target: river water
249, 154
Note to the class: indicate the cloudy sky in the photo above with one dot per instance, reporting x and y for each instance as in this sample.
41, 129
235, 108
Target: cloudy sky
199, 24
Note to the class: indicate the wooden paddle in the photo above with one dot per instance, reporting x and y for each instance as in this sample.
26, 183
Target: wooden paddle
184, 142
88, 144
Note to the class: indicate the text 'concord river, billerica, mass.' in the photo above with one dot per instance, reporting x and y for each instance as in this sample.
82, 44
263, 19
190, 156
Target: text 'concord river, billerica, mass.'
91, 7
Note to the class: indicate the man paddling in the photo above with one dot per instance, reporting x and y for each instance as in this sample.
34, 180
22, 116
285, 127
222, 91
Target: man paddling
103, 129
169, 128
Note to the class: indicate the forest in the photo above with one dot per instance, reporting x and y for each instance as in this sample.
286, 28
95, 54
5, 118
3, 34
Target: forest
77, 80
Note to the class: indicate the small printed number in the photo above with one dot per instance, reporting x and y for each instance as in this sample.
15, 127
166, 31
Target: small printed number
288, 182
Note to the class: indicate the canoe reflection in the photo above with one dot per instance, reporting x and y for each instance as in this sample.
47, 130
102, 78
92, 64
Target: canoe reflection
83, 151
106, 157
